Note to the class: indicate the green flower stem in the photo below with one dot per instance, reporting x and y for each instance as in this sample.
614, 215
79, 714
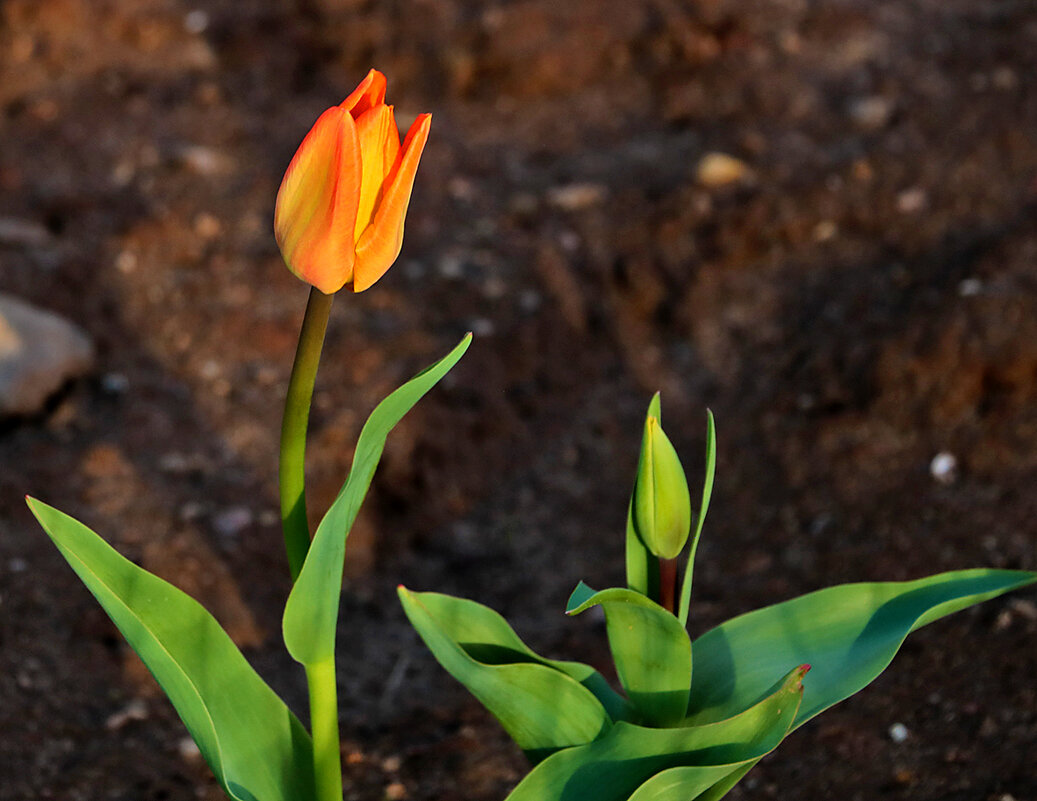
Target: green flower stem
327, 755
293, 430
667, 584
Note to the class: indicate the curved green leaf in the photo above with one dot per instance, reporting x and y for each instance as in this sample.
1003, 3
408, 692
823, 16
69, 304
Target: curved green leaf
849, 633
254, 744
721, 788
543, 705
615, 766
311, 614
650, 648
683, 784
707, 493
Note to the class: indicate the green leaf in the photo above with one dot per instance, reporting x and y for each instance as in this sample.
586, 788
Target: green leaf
311, 614
721, 788
544, 705
707, 493
641, 564
650, 648
629, 757
684, 784
849, 633
254, 744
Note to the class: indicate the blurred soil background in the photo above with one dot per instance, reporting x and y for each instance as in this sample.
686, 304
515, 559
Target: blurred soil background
816, 218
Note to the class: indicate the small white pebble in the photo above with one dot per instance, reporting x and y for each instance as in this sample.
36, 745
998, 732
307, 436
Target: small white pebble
825, 230
482, 327
191, 510
126, 262
188, 749
461, 188
569, 240
912, 200
970, 287
134, 710
230, 522
1027, 609
576, 197
944, 467
898, 732
395, 792
196, 21
17, 565
451, 266
115, 383
1005, 78
871, 113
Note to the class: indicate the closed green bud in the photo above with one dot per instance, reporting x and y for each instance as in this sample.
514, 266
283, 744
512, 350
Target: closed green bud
662, 504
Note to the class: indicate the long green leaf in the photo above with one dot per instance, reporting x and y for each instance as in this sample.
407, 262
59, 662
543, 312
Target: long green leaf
707, 493
311, 614
650, 648
255, 746
614, 767
544, 705
849, 633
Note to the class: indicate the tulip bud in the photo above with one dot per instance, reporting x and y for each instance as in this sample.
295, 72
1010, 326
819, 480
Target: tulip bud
341, 206
662, 503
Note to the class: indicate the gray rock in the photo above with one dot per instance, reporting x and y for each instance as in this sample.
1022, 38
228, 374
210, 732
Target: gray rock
39, 352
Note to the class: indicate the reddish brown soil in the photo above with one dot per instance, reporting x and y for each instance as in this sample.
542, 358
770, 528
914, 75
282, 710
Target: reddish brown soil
867, 299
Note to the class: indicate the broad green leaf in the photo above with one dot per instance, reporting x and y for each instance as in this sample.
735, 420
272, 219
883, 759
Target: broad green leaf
849, 633
486, 636
254, 744
311, 614
543, 705
707, 493
650, 648
685, 784
721, 788
614, 767
641, 564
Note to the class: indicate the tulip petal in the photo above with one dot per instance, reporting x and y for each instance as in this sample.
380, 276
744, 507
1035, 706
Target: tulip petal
370, 93
315, 212
391, 146
380, 244
373, 128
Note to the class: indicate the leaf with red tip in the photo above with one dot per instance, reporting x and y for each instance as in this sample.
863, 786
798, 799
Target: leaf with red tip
628, 761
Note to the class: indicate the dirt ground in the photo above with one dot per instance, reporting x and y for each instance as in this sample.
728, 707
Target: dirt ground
861, 299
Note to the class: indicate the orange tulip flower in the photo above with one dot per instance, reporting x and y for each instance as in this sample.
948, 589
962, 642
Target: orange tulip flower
340, 209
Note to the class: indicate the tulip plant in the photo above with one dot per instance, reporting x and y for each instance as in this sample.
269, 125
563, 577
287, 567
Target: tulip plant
693, 716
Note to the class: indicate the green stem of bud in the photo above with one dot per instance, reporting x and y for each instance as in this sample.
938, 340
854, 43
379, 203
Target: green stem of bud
293, 430
668, 584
